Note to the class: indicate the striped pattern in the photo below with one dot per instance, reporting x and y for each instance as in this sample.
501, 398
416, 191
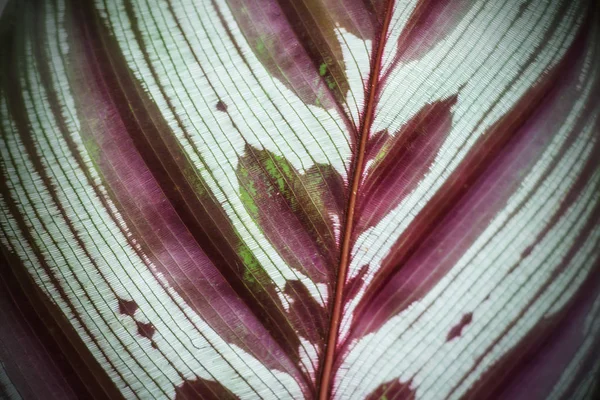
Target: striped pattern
177, 192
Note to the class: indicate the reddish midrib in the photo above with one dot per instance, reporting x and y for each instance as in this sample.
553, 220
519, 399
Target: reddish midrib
358, 164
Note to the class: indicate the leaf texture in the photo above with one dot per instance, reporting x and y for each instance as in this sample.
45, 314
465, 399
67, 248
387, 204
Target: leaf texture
240, 199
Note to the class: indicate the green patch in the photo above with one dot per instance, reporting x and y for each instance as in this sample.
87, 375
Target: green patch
382, 153
263, 44
323, 69
254, 275
279, 169
330, 82
253, 269
243, 171
195, 181
92, 149
247, 195
320, 95
383, 396
260, 46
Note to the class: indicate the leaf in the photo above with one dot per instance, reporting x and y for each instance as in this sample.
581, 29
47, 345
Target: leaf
299, 199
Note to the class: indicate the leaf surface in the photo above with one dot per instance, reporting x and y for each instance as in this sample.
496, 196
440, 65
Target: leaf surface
234, 199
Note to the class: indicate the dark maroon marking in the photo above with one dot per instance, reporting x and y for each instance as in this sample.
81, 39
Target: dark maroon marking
277, 192
221, 106
355, 283
393, 390
310, 319
326, 98
294, 40
457, 329
362, 18
43, 355
202, 389
403, 161
375, 144
531, 369
430, 21
456, 215
313, 317
145, 329
127, 307
304, 201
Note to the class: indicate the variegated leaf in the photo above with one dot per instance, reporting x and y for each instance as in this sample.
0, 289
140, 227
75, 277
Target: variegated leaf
239, 199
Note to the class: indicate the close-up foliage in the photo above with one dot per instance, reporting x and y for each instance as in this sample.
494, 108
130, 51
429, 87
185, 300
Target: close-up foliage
299, 199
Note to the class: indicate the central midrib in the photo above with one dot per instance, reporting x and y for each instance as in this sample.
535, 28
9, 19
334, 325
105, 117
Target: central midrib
357, 169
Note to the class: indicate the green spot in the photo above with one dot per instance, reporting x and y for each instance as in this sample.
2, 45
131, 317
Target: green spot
323, 69
382, 153
254, 274
92, 148
383, 396
330, 82
253, 268
94, 153
195, 181
260, 45
278, 169
247, 196
200, 189
320, 95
